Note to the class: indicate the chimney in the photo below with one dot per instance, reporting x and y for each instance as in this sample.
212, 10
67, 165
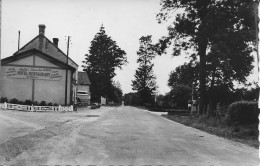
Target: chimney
42, 29
55, 41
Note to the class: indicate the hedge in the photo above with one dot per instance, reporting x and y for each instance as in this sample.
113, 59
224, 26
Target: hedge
243, 112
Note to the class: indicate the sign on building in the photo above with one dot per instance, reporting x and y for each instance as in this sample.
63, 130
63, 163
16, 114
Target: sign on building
38, 73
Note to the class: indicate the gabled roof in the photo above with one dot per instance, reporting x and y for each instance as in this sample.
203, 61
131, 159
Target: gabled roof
38, 36
83, 78
31, 52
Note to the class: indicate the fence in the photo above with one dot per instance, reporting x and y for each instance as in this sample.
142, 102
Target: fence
32, 108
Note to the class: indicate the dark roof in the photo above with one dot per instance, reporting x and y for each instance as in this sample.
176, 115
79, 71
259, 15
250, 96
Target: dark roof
17, 52
30, 52
83, 78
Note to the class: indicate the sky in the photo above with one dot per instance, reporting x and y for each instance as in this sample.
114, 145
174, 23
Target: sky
124, 20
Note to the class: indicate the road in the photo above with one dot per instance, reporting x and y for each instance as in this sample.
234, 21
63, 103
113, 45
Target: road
112, 136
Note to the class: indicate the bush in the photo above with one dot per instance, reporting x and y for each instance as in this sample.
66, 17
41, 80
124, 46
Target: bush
28, 102
35, 103
56, 104
14, 101
49, 104
148, 105
243, 112
42, 103
21, 102
3, 99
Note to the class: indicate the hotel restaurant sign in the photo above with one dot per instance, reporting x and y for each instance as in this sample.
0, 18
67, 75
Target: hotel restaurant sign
37, 73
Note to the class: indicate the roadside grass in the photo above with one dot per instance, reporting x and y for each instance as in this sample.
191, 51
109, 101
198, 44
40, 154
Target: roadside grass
246, 134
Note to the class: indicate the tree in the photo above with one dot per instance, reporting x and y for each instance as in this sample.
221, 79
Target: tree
182, 81
115, 94
101, 62
144, 82
219, 31
132, 99
180, 95
185, 74
246, 93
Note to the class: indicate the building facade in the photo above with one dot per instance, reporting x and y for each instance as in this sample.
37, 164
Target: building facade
39, 71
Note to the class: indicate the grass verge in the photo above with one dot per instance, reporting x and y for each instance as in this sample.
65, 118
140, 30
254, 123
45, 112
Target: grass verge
247, 134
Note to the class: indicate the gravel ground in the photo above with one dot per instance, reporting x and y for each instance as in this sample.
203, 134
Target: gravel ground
22, 130
113, 136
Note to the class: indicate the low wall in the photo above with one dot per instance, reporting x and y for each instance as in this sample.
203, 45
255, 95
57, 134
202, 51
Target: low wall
9, 106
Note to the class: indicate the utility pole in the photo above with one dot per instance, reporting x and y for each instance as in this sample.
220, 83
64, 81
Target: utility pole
67, 61
18, 40
0, 33
0, 39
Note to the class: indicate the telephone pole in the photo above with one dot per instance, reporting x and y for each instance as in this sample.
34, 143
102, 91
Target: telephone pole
18, 40
0, 39
0, 35
67, 61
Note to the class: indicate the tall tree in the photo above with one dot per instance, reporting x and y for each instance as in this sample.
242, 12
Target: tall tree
101, 62
182, 81
179, 96
223, 28
185, 74
144, 82
115, 93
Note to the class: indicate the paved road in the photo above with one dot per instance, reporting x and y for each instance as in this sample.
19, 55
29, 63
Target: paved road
122, 136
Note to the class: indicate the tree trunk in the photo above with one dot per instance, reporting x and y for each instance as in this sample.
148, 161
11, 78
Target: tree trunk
202, 46
211, 100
